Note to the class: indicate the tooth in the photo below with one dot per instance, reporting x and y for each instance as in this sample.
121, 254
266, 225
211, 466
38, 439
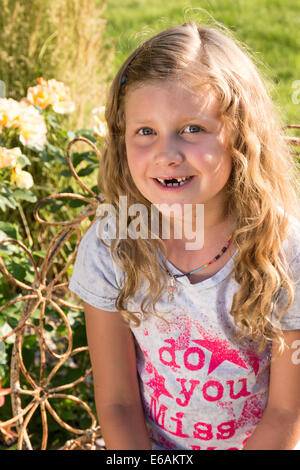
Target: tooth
180, 181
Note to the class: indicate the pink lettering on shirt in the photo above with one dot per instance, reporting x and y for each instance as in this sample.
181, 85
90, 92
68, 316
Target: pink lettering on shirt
187, 393
217, 395
178, 421
200, 360
168, 358
226, 430
203, 431
243, 391
158, 416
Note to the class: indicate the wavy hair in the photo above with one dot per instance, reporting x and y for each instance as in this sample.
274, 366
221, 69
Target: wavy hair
264, 173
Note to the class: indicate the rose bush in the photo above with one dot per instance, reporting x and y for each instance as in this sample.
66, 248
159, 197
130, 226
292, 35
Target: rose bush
33, 165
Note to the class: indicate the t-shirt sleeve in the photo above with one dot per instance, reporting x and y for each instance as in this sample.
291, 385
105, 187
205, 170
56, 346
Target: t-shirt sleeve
291, 318
95, 278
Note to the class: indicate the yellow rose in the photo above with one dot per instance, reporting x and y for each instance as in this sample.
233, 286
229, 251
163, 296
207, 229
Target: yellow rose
25, 117
9, 113
63, 103
100, 128
39, 95
23, 179
9, 157
53, 93
33, 129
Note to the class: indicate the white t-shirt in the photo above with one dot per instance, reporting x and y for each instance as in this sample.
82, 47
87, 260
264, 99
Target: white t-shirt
200, 388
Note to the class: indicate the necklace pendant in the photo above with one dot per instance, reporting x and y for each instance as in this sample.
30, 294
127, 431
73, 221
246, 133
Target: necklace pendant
172, 288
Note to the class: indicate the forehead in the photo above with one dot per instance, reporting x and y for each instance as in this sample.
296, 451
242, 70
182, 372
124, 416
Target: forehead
170, 95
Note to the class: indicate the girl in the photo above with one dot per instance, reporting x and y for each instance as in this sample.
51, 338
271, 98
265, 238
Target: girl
194, 347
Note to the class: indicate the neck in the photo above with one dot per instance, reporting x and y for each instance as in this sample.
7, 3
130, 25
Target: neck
209, 225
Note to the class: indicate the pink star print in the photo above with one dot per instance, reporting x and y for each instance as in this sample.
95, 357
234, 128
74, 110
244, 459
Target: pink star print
220, 352
158, 385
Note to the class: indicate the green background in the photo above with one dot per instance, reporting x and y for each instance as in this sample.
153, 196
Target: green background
270, 28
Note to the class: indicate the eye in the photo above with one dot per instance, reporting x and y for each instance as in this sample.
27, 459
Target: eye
194, 128
147, 130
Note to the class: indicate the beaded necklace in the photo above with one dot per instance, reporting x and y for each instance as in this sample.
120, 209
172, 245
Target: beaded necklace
172, 288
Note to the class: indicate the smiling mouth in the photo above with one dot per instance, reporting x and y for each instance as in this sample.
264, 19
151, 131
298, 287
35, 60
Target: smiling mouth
174, 182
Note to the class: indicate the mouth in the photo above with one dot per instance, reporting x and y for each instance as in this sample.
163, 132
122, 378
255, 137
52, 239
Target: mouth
170, 183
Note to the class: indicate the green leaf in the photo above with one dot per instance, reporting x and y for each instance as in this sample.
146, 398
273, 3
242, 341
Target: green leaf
2, 205
87, 133
3, 355
29, 341
62, 133
23, 161
4, 330
7, 202
46, 156
2, 235
29, 277
66, 173
9, 229
2, 372
6, 197
71, 135
40, 253
52, 149
79, 157
17, 271
77, 203
52, 121
61, 329
48, 327
87, 171
25, 195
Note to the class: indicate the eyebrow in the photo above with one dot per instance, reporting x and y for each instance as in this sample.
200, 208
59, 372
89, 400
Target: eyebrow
185, 118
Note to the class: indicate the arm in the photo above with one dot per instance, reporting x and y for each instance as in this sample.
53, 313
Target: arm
279, 427
116, 388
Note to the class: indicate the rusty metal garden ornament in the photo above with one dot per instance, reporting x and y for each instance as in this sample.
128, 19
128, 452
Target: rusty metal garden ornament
39, 293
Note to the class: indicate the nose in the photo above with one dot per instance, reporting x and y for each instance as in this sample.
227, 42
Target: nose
168, 152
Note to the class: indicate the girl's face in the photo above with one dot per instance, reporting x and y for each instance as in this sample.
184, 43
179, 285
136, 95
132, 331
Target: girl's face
174, 133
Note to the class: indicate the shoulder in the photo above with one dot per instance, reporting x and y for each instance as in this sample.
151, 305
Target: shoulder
291, 248
91, 246
101, 229
95, 274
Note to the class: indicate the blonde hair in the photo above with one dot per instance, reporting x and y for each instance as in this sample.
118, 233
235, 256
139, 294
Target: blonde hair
263, 177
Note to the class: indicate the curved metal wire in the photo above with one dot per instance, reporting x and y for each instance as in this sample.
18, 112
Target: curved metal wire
37, 295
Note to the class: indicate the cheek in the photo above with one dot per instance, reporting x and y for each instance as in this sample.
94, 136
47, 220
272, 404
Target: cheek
213, 158
207, 160
137, 159
136, 167
134, 163
131, 157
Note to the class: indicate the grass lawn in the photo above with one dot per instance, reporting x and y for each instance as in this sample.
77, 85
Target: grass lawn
270, 28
